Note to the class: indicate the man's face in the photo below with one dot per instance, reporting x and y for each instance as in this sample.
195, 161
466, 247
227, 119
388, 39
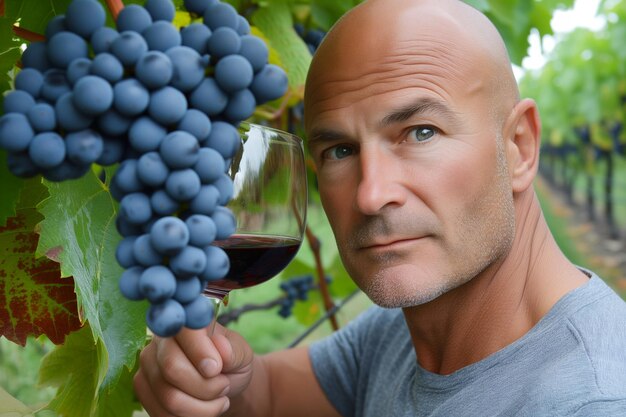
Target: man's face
411, 169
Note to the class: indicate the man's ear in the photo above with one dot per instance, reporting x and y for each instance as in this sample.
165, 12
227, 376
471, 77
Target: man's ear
522, 139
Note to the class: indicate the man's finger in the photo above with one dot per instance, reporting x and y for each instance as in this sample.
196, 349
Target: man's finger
197, 346
235, 352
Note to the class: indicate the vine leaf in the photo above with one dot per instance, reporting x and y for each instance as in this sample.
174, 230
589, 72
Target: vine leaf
11, 187
11, 406
34, 300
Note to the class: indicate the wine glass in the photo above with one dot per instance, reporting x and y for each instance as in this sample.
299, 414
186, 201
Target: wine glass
269, 204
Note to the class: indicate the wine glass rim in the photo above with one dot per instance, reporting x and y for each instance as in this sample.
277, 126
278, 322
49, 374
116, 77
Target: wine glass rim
272, 129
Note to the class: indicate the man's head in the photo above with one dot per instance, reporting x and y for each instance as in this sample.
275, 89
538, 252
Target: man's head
421, 144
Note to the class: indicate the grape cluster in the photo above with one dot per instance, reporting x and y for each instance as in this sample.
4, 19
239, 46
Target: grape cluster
296, 288
165, 104
311, 37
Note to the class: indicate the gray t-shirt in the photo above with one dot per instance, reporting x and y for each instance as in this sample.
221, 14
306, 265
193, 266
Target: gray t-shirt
572, 363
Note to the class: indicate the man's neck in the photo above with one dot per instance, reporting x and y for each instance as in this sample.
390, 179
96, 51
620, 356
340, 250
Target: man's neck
498, 306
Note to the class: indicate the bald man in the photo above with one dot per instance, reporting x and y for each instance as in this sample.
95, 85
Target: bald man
425, 158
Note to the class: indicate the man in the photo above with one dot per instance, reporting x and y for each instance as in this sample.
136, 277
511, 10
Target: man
425, 158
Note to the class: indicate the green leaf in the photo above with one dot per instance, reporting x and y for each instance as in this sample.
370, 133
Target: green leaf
326, 12
9, 54
12, 407
11, 187
34, 14
482, 5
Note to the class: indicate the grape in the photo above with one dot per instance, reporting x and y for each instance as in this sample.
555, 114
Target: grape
183, 185
210, 165
205, 201
196, 123
78, 69
107, 66
219, 15
154, 69
151, 169
160, 9
47, 150
18, 101
133, 18
255, 51
169, 235
123, 227
167, 106
225, 187
189, 262
131, 98
217, 264
64, 47
129, 283
202, 230
135, 208
198, 313
145, 135
224, 138
65, 171
84, 17
188, 68
113, 150
198, 6
179, 150
208, 98
240, 106
196, 36
269, 84
55, 85
233, 73
35, 57
102, 39
161, 36
224, 41
20, 165
84, 147
92, 95
112, 123
129, 46
124, 252
157, 283
42, 117
126, 178
144, 252
162, 204
29, 80
68, 116
243, 27
224, 222
188, 290
55, 25
166, 319
15, 132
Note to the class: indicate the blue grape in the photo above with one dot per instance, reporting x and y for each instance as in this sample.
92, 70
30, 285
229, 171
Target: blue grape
84, 147
15, 132
161, 36
221, 15
112, 123
160, 9
157, 283
130, 97
188, 290
166, 319
183, 185
225, 187
42, 117
243, 27
135, 208
55, 85
18, 101
92, 95
29, 80
224, 138
269, 84
240, 106
55, 25
144, 252
167, 106
145, 135
196, 123
133, 18
84, 17
202, 230
151, 169
124, 252
188, 68
224, 222
129, 46
107, 66
205, 201
102, 39
113, 150
35, 57
47, 150
179, 150
20, 165
255, 51
217, 264
123, 227
163, 204
210, 165
64, 47
198, 313
233, 73
198, 6
208, 98
196, 36
169, 235
188, 262
65, 171
78, 69
129, 283
154, 69
126, 178
68, 116
224, 41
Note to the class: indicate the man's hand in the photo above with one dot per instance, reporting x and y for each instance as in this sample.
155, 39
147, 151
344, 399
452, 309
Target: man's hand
193, 375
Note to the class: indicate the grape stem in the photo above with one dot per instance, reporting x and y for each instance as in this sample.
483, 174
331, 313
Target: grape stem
115, 7
28, 35
233, 315
278, 113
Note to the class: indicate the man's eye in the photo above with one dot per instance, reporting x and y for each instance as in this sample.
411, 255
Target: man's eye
422, 133
338, 152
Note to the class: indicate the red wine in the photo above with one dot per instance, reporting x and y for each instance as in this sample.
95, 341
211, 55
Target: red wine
253, 259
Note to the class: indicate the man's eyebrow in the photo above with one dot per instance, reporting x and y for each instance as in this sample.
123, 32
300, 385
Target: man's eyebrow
325, 135
419, 107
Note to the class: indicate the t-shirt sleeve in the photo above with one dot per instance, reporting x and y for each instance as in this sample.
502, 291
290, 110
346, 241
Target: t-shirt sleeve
615, 407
